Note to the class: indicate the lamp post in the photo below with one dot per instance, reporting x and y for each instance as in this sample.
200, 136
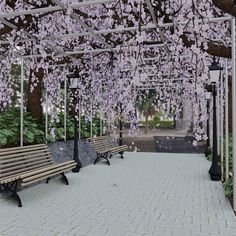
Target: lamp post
120, 126
74, 85
208, 99
215, 170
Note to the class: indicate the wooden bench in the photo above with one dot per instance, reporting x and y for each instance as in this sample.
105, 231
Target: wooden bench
105, 149
27, 165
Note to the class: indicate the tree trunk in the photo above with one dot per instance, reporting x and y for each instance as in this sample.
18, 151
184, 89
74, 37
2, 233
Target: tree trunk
34, 98
146, 123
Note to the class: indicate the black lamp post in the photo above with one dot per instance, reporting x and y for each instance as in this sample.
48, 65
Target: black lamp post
120, 126
215, 170
74, 85
207, 151
121, 130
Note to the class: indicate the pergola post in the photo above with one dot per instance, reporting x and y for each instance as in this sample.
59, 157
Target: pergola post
91, 122
79, 118
46, 117
233, 110
101, 123
222, 124
218, 116
22, 105
226, 121
65, 108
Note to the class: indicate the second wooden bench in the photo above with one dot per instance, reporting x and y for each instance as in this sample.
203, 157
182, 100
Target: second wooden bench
105, 149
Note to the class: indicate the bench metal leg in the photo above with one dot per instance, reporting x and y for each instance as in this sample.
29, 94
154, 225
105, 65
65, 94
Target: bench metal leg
65, 178
17, 197
108, 162
121, 155
47, 181
104, 156
96, 160
12, 187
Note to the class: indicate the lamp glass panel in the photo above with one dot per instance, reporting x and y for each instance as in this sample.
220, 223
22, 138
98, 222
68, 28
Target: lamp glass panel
214, 76
74, 83
208, 95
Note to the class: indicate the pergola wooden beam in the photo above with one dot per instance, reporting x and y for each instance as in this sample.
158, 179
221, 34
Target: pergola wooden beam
53, 8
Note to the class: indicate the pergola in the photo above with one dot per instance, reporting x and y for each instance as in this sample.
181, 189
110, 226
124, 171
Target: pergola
5, 18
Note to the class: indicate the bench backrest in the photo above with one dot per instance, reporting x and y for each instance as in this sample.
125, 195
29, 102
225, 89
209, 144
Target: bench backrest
14, 161
101, 143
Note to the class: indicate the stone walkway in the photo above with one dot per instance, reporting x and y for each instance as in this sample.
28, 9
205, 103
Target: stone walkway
144, 194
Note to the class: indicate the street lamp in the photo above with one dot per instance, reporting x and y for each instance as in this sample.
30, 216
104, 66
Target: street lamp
208, 99
121, 125
215, 170
74, 86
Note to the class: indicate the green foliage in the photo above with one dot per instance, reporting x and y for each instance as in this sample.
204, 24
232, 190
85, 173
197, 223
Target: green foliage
230, 145
159, 124
156, 122
34, 133
228, 186
230, 152
85, 128
209, 157
209, 154
10, 128
145, 102
59, 128
166, 124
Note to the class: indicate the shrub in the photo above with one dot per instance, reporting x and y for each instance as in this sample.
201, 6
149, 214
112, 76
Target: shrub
10, 128
155, 124
228, 186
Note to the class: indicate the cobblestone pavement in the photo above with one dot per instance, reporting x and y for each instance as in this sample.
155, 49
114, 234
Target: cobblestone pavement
144, 194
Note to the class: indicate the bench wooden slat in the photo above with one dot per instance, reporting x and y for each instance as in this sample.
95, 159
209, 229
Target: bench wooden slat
22, 148
19, 160
49, 175
9, 180
26, 165
15, 151
43, 173
17, 176
97, 145
124, 147
45, 169
19, 171
23, 160
20, 154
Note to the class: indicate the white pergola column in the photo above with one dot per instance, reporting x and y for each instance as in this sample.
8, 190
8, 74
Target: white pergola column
226, 122
22, 105
46, 115
218, 116
91, 122
101, 123
80, 118
222, 124
233, 110
65, 108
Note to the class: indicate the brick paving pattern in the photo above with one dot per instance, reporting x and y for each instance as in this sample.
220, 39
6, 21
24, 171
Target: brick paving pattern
144, 194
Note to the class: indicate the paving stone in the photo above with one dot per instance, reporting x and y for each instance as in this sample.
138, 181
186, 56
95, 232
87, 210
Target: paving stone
154, 194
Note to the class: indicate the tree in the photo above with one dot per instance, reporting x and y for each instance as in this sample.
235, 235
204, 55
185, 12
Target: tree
34, 96
146, 105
